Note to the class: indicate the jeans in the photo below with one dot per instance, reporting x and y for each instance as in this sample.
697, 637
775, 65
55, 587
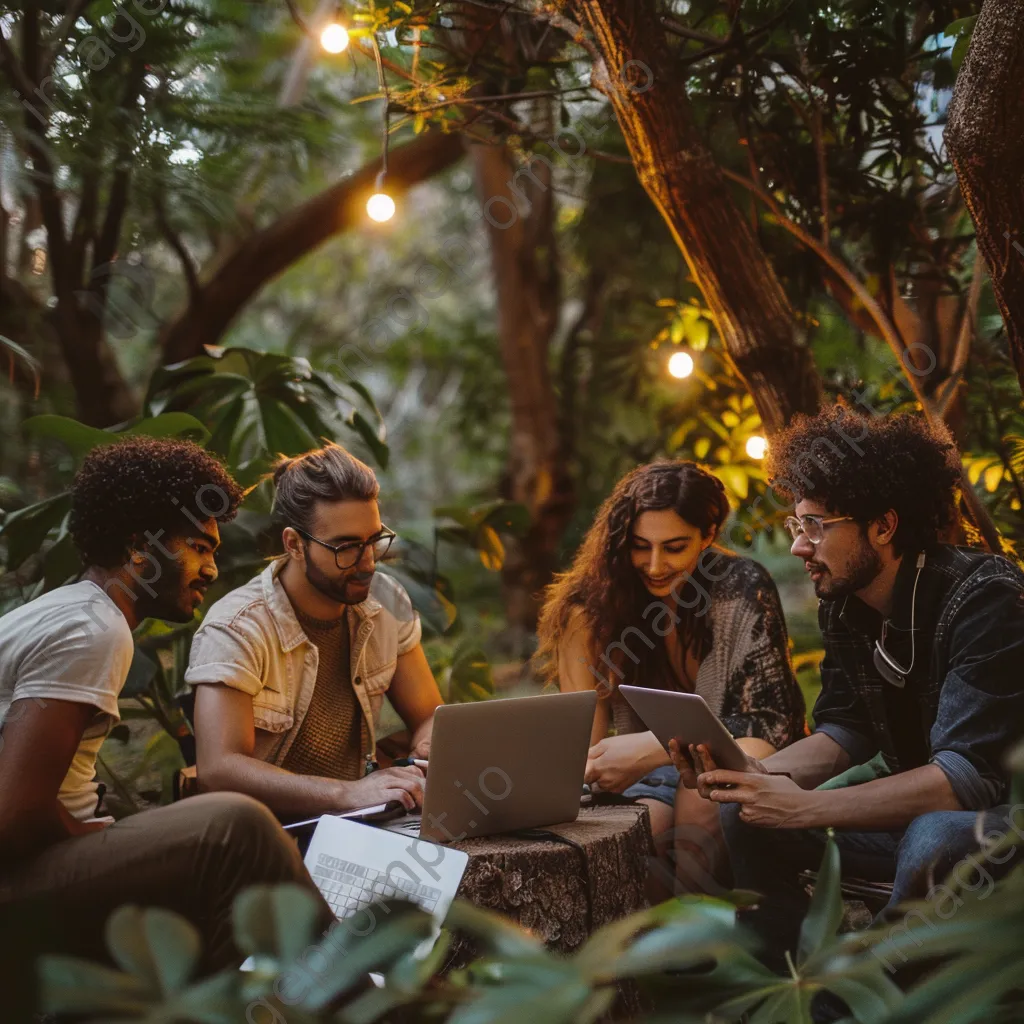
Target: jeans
769, 861
661, 784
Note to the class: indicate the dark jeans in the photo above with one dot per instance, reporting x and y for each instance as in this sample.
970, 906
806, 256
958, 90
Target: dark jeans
193, 857
769, 861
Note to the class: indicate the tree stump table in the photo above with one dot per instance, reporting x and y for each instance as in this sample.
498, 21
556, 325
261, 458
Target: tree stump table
561, 889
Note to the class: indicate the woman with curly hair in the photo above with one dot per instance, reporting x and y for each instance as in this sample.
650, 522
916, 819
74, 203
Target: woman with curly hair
650, 600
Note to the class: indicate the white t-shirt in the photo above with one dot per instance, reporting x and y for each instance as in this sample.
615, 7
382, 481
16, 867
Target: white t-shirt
70, 644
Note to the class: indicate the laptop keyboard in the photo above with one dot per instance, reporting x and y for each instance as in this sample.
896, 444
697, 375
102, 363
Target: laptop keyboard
350, 887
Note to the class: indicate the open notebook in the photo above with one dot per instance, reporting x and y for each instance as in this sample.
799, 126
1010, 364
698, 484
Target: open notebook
355, 865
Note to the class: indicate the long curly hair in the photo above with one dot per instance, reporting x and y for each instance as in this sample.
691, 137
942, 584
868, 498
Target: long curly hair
141, 483
862, 467
603, 585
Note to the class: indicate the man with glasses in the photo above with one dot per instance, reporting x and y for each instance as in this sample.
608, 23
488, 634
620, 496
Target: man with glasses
922, 683
292, 668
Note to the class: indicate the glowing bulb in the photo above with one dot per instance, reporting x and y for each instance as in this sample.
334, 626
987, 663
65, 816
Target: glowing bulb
334, 37
380, 207
681, 365
757, 447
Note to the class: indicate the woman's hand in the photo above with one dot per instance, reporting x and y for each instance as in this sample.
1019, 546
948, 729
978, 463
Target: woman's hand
619, 761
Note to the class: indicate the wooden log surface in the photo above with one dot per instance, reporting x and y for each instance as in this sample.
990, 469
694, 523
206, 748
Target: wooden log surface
561, 891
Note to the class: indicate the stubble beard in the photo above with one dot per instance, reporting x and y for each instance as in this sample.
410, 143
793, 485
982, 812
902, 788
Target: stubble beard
861, 571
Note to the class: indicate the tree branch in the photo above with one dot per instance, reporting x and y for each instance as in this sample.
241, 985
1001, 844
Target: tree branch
964, 341
268, 252
117, 204
173, 239
888, 333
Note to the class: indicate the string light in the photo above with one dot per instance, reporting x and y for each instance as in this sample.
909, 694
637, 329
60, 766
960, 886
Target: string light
380, 207
680, 365
757, 447
334, 38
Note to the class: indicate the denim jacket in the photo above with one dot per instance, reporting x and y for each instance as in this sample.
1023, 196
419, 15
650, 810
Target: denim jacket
251, 640
968, 674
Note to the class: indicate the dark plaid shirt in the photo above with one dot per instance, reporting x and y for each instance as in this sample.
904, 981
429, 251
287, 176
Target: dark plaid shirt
967, 686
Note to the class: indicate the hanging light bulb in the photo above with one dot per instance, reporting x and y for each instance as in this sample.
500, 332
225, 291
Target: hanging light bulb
334, 37
680, 365
380, 206
757, 447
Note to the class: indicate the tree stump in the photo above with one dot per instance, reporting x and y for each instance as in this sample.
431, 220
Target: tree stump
561, 891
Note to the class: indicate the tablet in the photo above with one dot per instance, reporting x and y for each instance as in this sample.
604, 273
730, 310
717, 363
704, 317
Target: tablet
686, 717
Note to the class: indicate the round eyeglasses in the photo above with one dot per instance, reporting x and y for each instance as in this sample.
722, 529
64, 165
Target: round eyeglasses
812, 527
348, 555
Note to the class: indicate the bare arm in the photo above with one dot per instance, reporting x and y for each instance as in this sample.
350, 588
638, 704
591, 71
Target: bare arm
226, 740
888, 803
773, 801
810, 761
39, 741
414, 695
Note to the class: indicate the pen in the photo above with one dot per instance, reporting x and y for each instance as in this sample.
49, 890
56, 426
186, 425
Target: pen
406, 762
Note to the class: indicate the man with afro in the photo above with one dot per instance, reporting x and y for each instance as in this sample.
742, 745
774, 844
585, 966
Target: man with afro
146, 517
922, 682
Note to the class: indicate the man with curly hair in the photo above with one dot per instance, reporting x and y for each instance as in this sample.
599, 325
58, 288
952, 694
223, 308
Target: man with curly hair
146, 518
922, 683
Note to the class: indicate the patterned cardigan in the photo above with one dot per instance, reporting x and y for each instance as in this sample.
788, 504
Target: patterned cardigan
746, 677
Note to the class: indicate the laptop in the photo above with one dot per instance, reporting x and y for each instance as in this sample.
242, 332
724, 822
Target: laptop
503, 765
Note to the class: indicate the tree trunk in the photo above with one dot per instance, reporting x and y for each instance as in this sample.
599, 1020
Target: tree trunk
268, 252
527, 281
985, 138
102, 395
647, 89
562, 892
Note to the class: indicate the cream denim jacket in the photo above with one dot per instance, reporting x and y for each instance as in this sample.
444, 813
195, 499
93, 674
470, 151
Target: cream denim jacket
251, 640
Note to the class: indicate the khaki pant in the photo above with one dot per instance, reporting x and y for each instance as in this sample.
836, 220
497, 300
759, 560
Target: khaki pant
193, 857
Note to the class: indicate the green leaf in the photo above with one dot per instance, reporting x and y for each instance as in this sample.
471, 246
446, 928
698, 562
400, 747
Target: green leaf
76, 437
735, 478
993, 477
62, 562
492, 551
434, 607
285, 433
470, 677
362, 426
157, 946
69, 985
825, 913
26, 529
698, 333
141, 673
275, 920
496, 935
390, 931
179, 425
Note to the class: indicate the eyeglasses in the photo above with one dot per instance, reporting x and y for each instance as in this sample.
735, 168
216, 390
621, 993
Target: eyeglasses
812, 527
348, 555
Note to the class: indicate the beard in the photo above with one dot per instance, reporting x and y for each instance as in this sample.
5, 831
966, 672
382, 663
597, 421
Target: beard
863, 567
174, 598
351, 588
